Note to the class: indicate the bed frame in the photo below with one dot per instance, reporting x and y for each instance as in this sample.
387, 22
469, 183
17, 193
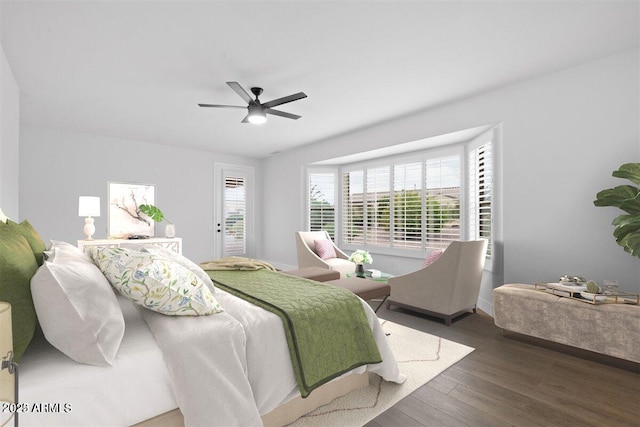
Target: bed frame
287, 412
283, 414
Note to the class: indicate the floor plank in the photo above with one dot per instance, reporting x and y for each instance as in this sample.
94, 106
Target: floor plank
507, 382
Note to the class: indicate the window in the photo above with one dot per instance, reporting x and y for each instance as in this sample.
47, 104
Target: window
480, 192
322, 206
378, 204
422, 211
234, 211
442, 201
353, 207
409, 204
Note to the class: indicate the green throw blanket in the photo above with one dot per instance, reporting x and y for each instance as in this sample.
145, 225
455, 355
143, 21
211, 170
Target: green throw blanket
326, 327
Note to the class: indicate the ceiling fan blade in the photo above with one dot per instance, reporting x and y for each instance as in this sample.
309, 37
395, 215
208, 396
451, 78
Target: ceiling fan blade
220, 106
240, 91
284, 100
282, 114
246, 119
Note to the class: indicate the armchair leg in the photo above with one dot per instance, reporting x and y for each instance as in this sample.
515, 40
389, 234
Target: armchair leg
380, 305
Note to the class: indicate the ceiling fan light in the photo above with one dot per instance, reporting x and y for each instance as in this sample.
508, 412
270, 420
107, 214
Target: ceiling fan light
257, 119
256, 115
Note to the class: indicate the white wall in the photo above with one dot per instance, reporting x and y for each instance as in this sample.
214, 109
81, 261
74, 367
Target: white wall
57, 166
563, 135
9, 139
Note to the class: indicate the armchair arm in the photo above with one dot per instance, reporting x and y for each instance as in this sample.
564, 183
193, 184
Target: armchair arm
429, 288
306, 257
339, 253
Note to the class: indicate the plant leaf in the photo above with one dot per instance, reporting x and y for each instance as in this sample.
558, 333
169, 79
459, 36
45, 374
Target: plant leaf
152, 212
625, 219
631, 243
630, 171
616, 196
632, 206
627, 233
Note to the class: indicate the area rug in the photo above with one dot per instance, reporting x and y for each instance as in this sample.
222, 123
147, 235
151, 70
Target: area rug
421, 358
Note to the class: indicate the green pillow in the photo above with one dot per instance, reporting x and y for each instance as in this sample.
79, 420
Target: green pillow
17, 266
32, 236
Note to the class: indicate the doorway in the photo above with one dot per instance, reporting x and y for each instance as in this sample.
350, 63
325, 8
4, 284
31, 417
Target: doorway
234, 210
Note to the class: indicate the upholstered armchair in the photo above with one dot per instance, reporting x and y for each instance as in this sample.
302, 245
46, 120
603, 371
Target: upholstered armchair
316, 249
446, 288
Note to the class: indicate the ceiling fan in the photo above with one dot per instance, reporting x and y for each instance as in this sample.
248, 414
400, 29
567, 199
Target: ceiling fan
258, 111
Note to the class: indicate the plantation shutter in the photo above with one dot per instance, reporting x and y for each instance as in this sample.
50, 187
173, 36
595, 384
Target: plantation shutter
322, 210
378, 206
353, 207
235, 237
480, 192
407, 205
442, 201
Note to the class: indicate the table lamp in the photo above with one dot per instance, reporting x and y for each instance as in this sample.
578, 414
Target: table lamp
89, 206
8, 368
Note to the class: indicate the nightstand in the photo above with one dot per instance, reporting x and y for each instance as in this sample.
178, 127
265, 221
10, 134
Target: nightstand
173, 243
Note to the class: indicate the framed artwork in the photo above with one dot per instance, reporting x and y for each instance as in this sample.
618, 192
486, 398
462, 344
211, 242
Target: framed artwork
125, 218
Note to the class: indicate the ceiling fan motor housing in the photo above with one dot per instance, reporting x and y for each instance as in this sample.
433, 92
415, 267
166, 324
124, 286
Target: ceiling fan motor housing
257, 91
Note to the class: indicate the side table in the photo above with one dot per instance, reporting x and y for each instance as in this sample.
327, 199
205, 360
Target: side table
173, 243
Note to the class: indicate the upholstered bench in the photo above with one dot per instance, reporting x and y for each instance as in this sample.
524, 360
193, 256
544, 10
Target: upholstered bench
365, 288
318, 274
610, 329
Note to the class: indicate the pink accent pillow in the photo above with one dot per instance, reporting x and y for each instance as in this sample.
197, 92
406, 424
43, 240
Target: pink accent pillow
432, 257
324, 249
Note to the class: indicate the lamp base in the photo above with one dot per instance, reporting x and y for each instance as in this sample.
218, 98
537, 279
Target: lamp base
10, 365
89, 228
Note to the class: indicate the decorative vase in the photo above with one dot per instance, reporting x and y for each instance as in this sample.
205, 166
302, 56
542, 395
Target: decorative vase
170, 230
360, 270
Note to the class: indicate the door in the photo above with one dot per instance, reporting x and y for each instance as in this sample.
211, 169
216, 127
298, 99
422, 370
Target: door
234, 218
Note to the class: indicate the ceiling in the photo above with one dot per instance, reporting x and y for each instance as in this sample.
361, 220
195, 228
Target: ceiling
137, 70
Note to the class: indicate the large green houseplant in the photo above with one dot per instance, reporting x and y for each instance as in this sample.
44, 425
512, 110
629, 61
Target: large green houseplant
627, 198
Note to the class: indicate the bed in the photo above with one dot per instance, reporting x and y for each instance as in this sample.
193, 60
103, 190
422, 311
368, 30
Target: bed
229, 368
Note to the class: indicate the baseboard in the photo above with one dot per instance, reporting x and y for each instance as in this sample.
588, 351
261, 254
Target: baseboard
486, 306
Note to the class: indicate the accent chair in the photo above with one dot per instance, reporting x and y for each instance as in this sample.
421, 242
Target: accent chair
446, 288
316, 249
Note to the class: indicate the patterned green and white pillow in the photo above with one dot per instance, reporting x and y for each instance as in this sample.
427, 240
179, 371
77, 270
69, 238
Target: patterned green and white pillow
156, 283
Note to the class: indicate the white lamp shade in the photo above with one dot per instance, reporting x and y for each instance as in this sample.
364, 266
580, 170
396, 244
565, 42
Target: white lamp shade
7, 383
89, 206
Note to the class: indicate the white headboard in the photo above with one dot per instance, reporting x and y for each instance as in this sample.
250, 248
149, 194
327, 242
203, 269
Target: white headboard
3, 217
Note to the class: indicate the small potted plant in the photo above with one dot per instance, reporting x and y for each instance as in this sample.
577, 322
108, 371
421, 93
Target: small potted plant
156, 214
360, 257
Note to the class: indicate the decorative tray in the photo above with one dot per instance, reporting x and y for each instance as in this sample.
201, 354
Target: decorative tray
579, 293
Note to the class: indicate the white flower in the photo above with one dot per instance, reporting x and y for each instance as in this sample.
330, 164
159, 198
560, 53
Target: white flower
361, 257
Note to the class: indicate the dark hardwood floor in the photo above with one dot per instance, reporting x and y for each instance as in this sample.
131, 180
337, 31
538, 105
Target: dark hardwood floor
508, 382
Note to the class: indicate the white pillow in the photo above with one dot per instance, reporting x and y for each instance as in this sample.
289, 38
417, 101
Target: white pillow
78, 311
156, 283
66, 252
182, 260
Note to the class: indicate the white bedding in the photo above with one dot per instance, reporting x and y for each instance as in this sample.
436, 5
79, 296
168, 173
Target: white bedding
135, 388
211, 387
266, 371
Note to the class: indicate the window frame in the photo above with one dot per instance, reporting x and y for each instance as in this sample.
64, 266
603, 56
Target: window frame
309, 170
462, 149
421, 156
